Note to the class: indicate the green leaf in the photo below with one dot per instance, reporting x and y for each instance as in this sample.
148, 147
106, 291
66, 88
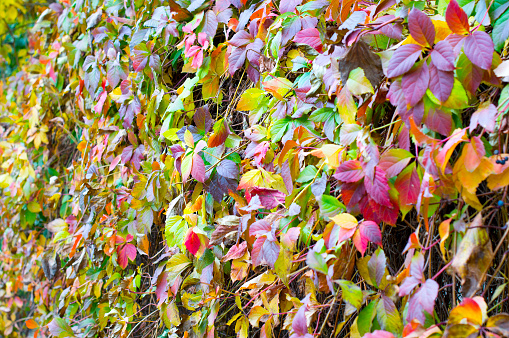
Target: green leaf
307, 174
59, 328
175, 229
500, 31
351, 293
358, 83
322, 114
330, 206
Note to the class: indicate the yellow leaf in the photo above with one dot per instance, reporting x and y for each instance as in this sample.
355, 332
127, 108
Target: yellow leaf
346, 221
34, 207
250, 99
256, 314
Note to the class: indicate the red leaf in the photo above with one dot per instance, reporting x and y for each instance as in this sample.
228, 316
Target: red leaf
443, 56
403, 59
421, 28
269, 198
310, 37
441, 83
192, 242
122, 257
423, 300
350, 171
478, 48
378, 188
415, 83
456, 18
198, 169
394, 161
368, 232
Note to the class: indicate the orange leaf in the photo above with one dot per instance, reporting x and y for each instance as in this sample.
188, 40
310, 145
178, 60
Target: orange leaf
31, 324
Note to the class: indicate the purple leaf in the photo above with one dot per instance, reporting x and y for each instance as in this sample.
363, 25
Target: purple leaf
403, 59
479, 49
236, 60
202, 118
299, 324
241, 38
371, 231
443, 56
441, 82
378, 188
228, 169
415, 83
288, 5
421, 28
439, 121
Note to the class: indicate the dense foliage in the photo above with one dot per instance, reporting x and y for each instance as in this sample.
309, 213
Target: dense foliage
245, 168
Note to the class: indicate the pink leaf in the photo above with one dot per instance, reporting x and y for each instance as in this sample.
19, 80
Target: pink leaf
236, 251
130, 250
265, 252
479, 49
379, 334
441, 82
198, 169
350, 171
299, 324
421, 28
485, 116
403, 59
99, 106
415, 83
443, 56
423, 300
162, 287
310, 37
